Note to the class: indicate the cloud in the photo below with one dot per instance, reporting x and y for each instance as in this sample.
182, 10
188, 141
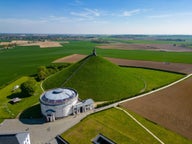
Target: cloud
169, 15
87, 13
132, 12
53, 18
21, 21
161, 16
93, 12
76, 3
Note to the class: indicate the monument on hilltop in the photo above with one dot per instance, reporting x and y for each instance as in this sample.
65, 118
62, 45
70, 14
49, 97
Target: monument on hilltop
94, 52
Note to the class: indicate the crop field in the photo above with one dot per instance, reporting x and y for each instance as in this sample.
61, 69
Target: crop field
23, 60
170, 107
119, 127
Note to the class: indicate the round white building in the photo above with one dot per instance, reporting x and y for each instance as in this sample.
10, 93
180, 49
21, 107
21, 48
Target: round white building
58, 103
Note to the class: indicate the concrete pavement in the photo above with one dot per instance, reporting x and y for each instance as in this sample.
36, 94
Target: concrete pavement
41, 133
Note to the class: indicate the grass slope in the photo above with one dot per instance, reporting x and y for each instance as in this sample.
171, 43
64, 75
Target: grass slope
97, 78
119, 127
8, 110
101, 80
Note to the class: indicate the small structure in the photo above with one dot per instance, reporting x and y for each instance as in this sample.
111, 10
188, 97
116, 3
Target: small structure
15, 100
83, 106
18, 138
15, 88
94, 52
101, 139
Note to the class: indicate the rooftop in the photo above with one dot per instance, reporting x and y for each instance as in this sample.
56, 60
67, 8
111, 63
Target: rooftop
58, 96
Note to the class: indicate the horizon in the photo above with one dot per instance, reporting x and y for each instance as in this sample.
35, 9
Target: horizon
81, 17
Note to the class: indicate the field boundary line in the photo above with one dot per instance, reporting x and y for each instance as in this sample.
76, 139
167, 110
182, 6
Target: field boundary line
152, 134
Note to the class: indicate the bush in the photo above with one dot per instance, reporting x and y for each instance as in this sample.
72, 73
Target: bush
45, 71
28, 87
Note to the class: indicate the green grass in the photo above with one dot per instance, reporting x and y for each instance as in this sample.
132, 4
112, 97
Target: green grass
23, 60
159, 56
119, 127
8, 110
102, 80
153, 78
96, 78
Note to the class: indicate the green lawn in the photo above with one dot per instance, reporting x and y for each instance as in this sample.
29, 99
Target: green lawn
8, 110
119, 127
153, 78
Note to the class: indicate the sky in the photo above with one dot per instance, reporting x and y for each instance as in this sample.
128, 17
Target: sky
96, 16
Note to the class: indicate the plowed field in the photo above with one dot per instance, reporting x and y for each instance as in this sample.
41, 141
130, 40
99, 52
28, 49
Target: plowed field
175, 67
171, 107
153, 47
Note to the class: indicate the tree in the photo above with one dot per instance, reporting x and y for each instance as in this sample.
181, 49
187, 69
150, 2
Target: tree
42, 73
28, 87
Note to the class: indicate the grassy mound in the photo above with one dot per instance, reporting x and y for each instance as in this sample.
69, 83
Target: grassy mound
101, 80
97, 78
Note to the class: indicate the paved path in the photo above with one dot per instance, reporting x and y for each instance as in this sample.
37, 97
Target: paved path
41, 133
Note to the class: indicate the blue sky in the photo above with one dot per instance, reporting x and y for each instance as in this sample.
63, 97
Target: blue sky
96, 16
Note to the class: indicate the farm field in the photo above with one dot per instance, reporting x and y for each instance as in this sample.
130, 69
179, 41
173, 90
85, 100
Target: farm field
44, 44
119, 127
174, 67
152, 47
24, 60
170, 107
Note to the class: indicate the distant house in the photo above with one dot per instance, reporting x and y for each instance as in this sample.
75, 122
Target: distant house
101, 139
18, 138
